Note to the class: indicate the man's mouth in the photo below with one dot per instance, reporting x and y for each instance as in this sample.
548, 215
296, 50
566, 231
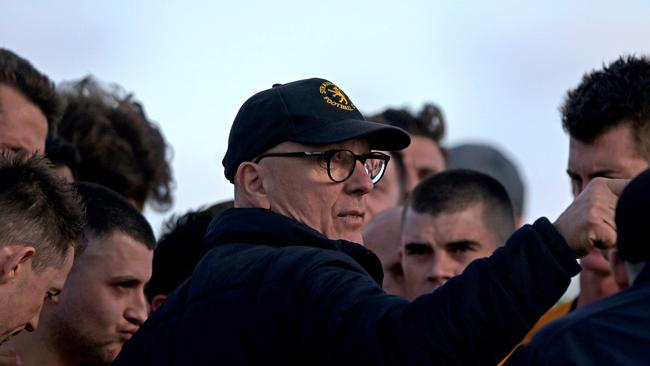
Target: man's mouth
125, 335
11, 335
352, 217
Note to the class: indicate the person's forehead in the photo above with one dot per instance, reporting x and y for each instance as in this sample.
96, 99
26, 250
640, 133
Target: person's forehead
56, 276
22, 123
422, 144
416, 223
612, 151
460, 219
620, 135
117, 250
423, 151
10, 97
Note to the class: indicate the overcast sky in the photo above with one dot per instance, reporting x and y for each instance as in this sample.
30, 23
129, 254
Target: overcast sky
499, 69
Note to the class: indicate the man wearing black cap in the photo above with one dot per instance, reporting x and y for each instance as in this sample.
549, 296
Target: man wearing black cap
284, 282
616, 330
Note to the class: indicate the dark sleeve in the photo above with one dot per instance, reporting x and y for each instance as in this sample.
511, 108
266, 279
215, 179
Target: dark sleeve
474, 319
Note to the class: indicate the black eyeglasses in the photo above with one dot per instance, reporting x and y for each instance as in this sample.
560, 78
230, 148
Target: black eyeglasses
341, 163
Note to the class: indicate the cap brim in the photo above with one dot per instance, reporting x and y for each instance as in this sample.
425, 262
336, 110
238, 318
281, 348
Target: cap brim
379, 136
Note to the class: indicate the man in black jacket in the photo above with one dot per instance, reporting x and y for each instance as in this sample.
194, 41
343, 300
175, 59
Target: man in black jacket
616, 330
285, 282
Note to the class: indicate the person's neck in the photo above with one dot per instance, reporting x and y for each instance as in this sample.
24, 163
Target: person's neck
594, 287
35, 349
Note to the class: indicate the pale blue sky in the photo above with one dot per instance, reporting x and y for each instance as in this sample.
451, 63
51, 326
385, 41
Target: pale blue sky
498, 69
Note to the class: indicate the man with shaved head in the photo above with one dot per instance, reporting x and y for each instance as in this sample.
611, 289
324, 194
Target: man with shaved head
451, 219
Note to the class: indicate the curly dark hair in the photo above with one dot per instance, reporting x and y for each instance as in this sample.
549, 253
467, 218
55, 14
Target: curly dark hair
119, 147
19, 74
62, 152
617, 94
429, 122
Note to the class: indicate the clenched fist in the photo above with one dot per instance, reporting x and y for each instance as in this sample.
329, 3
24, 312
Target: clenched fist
589, 221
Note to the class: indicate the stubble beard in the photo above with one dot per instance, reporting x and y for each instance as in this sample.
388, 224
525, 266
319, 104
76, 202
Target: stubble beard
74, 343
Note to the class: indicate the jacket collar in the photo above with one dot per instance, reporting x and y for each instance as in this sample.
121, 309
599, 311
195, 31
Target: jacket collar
262, 226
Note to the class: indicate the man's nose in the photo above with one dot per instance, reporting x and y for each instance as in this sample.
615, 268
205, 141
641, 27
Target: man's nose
441, 269
32, 324
359, 182
137, 311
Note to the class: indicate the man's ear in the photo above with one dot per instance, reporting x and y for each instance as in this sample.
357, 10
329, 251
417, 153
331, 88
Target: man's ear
14, 257
618, 268
249, 180
157, 301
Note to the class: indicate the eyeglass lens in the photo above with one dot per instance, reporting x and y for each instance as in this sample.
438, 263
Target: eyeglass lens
343, 162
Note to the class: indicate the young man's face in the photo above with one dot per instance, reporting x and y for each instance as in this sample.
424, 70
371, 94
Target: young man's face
30, 288
611, 155
103, 302
300, 188
23, 127
422, 158
437, 248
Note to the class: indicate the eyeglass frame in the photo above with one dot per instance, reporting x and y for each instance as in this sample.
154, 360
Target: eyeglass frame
329, 154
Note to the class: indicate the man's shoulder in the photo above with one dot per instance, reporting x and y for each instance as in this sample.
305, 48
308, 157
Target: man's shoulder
235, 252
623, 304
260, 263
597, 333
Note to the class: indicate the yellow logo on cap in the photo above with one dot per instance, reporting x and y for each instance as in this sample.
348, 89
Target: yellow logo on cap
335, 96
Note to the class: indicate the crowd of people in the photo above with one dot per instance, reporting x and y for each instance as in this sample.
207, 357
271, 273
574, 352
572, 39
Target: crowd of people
348, 241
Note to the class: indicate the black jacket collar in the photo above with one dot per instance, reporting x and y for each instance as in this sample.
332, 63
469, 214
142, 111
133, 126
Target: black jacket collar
262, 226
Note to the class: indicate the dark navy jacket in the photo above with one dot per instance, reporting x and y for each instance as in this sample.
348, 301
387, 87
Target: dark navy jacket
272, 291
613, 331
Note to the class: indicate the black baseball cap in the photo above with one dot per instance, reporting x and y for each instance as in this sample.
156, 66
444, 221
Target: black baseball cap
313, 112
633, 220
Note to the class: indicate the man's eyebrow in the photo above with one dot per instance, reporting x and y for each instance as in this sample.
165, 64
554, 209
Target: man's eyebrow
603, 173
462, 242
596, 174
125, 279
416, 243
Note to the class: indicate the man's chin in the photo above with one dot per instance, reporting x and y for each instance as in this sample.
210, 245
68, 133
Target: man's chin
354, 237
106, 354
